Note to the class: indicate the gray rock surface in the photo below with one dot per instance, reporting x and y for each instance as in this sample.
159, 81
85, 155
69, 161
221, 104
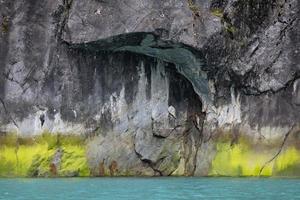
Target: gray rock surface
149, 82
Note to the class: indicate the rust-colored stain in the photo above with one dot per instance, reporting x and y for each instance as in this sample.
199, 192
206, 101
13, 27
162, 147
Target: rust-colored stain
101, 168
53, 169
113, 167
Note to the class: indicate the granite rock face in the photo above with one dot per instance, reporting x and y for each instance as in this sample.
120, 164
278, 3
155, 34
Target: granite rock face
156, 87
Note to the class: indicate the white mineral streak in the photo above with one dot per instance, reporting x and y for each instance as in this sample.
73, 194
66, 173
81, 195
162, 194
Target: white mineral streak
228, 113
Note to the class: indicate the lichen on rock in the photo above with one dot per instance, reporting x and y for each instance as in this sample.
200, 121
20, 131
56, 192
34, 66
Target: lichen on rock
40, 157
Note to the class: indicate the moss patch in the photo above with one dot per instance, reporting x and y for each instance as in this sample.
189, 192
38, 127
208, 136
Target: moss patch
244, 159
34, 156
4, 24
230, 29
74, 161
288, 163
193, 7
217, 12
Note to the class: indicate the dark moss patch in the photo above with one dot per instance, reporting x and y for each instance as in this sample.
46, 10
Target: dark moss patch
5, 24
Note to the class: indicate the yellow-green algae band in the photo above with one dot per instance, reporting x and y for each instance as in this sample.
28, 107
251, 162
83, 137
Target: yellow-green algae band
245, 159
32, 157
29, 157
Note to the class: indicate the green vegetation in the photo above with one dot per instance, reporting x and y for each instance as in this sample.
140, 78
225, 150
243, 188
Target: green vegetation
217, 12
288, 163
239, 160
244, 159
74, 162
4, 25
49, 155
193, 7
33, 156
230, 29
228, 25
40, 164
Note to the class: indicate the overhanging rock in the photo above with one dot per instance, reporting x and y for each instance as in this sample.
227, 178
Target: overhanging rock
188, 61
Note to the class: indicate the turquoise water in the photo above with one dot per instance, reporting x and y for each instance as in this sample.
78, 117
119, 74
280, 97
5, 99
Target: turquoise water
149, 188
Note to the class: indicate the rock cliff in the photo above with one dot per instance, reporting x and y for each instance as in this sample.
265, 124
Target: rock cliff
149, 88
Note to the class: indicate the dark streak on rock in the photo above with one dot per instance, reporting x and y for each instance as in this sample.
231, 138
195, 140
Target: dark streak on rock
8, 114
280, 149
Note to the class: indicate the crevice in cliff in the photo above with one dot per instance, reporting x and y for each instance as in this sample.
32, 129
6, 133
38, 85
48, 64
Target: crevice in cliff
250, 91
193, 136
8, 113
251, 75
24, 84
175, 128
187, 149
7, 75
193, 139
198, 142
292, 129
286, 27
149, 163
61, 17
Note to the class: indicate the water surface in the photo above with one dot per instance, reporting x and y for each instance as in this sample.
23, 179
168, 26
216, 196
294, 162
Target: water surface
150, 188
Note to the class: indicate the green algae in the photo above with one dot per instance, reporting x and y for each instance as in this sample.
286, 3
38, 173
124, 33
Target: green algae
288, 163
193, 7
32, 156
40, 164
5, 25
16, 161
239, 160
217, 12
245, 159
74, 161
